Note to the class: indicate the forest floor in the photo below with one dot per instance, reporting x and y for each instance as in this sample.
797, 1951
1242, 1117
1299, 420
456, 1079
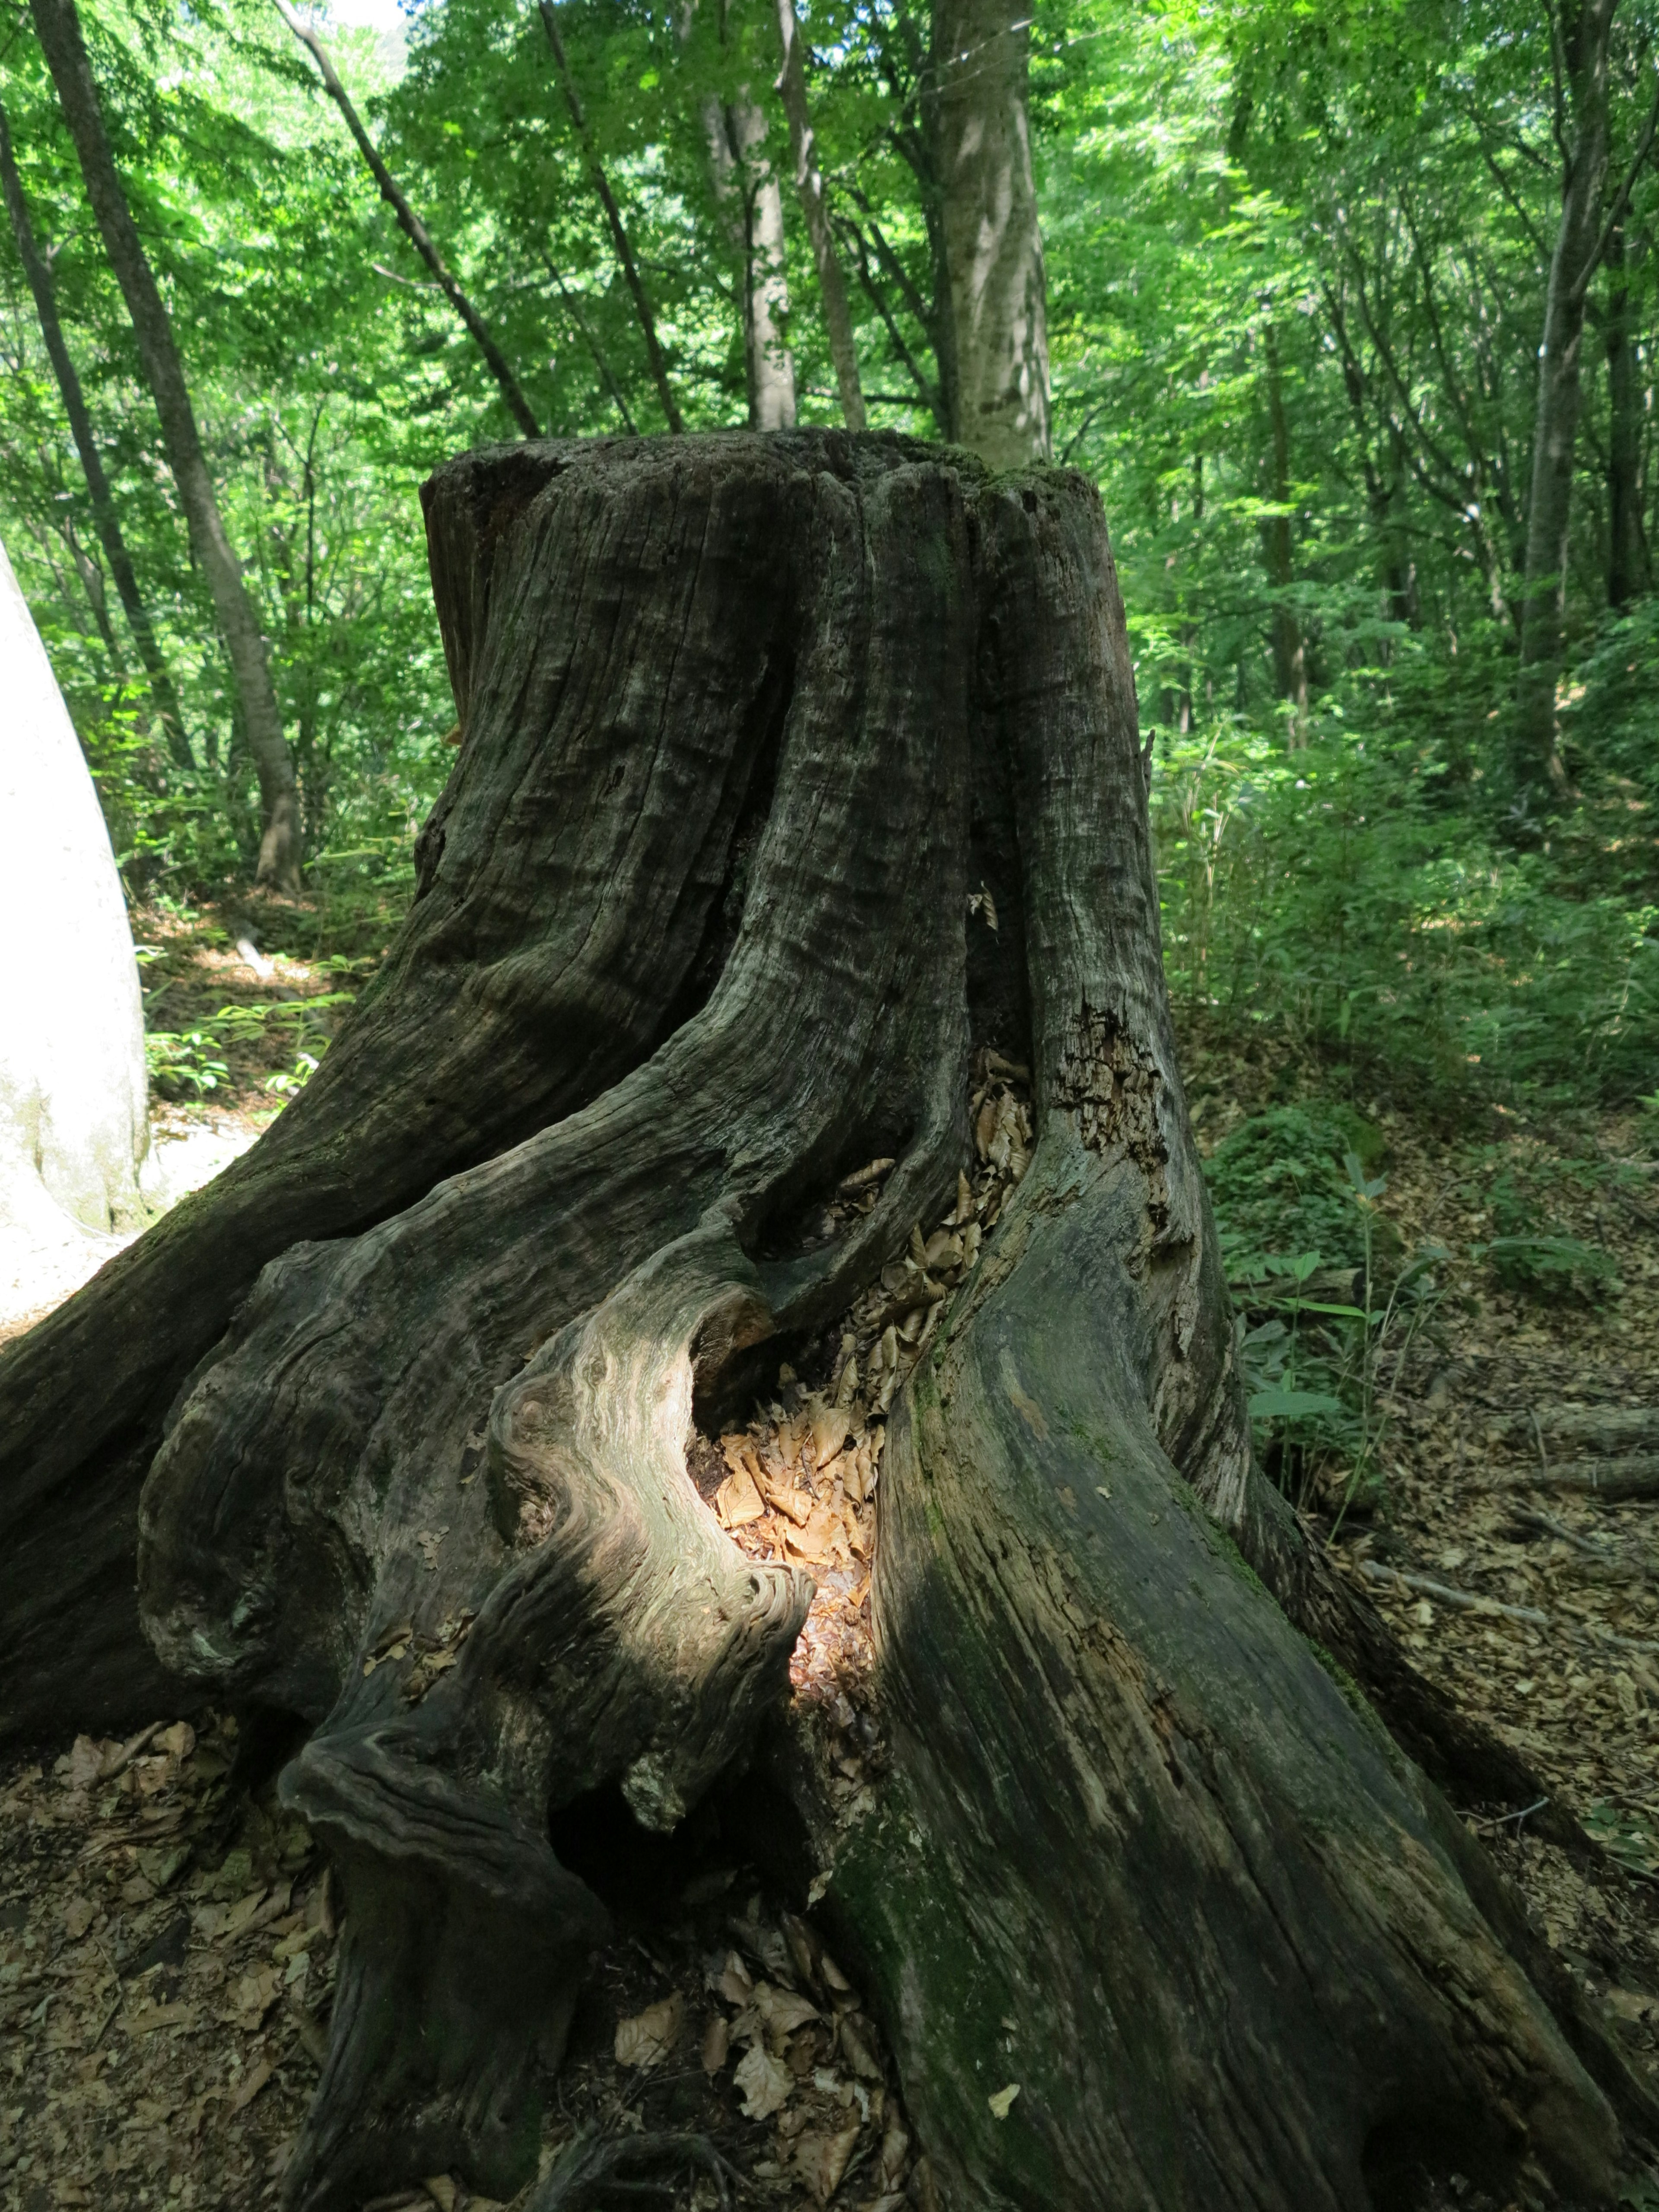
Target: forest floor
167, 1937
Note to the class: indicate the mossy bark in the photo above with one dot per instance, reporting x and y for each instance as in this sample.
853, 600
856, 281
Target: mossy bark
747, 720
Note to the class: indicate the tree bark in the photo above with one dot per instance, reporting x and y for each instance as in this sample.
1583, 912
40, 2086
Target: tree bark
809, 185
414, 229
1585, 34
1629, 570
746, 190
59, 30
156, 673
753, 726
992, 241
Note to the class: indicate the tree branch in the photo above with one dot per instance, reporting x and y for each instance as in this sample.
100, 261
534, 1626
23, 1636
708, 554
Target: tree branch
411, 226
1621, 199
613, 217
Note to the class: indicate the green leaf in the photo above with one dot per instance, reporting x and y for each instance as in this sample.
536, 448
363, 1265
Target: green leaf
1291, 1405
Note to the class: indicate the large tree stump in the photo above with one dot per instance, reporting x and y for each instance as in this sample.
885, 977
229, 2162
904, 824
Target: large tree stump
746, 721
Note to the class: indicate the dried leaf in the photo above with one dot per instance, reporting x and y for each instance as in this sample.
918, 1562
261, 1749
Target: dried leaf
149, 2017
716, 2042
86, 1760
985, 1128
178, 1741
821, 2161
253, 1997
894, 2150
858, 2045
828, 1431
762, 2083
442, 2189
782, 2011
737, 1501
250, 2085
648, 2037
797, 1503
1001, 2101
861, 1178
78, 1916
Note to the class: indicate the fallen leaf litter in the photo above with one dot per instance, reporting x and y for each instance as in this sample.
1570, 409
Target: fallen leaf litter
163, 1998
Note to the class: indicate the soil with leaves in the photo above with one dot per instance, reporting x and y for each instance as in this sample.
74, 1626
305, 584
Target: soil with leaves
1454, 1372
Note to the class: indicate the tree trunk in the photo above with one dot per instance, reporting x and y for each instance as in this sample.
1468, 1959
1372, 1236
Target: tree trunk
156, 673
59, 30
753, 726
1290, 651
1629, 572
747, 190
72, 1085
809, 185
992, 244
413, 229
1586, 31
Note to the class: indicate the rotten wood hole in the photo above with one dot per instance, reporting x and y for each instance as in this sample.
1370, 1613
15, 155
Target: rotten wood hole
762, 735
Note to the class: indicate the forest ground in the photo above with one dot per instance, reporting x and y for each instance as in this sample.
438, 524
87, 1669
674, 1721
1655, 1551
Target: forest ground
167, 1938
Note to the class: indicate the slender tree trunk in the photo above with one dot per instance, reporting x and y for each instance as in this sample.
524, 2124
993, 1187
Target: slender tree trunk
619, 239
1585, 34
1629, 573
992, 245
59, 30
809, 185
108, 523
768, 710
746, 190
414, 229
1290, 650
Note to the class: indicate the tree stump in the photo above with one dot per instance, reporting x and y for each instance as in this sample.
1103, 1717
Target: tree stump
759, 735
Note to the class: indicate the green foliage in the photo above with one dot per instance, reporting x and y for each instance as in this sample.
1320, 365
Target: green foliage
1348, 899
1278, 1183
189, 1061
1315, 1323
1529, 1254
194, 1061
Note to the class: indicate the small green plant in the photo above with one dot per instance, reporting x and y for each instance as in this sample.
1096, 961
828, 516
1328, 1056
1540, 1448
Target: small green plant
288, 1082
181, 1061
1317, 1323
194, 1060
1628, 1833
1529, 1255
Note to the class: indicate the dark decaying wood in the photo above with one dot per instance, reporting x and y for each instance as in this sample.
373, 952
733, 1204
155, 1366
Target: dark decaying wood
746, 719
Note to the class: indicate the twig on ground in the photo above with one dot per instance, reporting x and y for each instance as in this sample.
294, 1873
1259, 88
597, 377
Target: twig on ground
1552, 1527
1637, 1476
1463, 1601
1504, 1819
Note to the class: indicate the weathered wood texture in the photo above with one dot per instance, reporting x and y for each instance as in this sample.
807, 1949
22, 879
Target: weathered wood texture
746, 719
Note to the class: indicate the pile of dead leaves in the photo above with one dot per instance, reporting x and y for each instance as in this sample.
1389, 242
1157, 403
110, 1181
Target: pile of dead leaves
159, 1985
